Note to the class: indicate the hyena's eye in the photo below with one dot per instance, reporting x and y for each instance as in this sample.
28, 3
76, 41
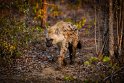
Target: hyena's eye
57, 31
50, 31
51, 40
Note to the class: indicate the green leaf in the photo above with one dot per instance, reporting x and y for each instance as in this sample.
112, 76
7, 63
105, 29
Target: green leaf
106, 59
87, 63
93, 59
68, 78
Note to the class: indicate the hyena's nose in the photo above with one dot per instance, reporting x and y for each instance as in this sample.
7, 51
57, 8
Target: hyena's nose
49, 42
49, 39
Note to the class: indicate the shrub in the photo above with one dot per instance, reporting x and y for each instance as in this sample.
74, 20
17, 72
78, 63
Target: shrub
15, 36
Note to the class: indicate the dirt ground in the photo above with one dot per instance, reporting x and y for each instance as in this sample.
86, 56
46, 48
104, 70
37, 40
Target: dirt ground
38, 65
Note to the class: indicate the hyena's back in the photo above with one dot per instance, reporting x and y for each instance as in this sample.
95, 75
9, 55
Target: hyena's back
67, 29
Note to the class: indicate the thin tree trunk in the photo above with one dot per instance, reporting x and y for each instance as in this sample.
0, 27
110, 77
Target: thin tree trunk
122, 44
96, 33
44, 8
121, 49
99, 28
117, 28
120, 26
100, 45
99, 34
111, 35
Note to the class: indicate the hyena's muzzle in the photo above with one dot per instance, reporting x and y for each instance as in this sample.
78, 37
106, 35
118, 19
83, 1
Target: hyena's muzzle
49, 42
48, 39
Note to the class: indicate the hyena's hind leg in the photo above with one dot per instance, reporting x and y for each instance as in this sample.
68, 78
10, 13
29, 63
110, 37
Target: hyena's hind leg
70, 48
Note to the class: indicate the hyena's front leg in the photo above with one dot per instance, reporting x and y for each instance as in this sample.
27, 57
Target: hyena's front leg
73, 55
61, 57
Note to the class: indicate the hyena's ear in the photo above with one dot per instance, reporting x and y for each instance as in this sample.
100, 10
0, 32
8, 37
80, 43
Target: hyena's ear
57, 31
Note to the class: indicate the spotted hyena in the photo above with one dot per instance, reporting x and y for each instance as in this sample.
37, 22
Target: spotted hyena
65, 35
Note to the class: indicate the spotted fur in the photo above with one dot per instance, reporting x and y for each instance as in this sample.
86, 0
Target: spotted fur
65, 35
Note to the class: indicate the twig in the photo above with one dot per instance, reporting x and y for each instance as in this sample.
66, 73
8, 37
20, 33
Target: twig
113, 74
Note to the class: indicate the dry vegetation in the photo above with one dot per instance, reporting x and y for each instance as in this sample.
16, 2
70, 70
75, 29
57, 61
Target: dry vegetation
24, 57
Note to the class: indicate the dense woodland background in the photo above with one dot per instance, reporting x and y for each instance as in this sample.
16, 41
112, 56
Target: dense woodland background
25, 58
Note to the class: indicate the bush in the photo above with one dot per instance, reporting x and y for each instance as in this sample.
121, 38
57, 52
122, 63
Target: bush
15, 36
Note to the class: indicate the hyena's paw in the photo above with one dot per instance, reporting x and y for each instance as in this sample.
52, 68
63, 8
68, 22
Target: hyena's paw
64, 62
61, 61
72, 61
57, 67
60, 64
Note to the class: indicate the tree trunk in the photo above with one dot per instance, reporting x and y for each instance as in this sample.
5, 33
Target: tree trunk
122, 34
104, 51
95, 31
44, 18
122, 42
111, 35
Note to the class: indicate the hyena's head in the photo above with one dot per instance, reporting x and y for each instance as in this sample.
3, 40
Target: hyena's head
54, 36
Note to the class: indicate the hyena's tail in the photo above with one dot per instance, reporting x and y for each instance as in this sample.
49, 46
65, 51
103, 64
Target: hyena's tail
79, 46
